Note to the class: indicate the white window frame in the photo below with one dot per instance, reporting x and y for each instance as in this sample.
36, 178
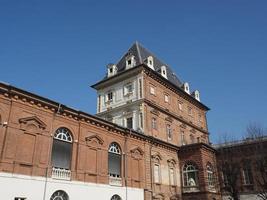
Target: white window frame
157, 178
152, 90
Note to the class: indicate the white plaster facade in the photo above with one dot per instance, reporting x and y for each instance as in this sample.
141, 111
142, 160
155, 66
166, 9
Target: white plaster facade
124, 104
39, 188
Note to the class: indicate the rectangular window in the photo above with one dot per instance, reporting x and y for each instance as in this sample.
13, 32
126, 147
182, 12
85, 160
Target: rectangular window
141, 120
172, 176
166, 98
247, 176
110, 96
140, 88
180, 105
152, 90
192, 138
154, 123
183, 142
156, 173
169, 132
190, 112
20, 198
99, 103
129, 122
128, 89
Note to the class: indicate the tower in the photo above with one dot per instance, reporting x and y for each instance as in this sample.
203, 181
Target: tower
143, 93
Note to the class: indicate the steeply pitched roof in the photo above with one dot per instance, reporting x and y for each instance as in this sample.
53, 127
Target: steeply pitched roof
141, 54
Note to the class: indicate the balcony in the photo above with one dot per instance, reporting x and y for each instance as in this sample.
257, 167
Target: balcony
61, 174
190, 189
114, 180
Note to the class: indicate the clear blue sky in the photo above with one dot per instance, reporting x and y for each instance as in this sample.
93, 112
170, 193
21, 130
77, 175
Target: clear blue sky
57, 49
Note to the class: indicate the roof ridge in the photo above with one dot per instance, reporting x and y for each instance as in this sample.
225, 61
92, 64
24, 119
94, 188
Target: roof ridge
138, 52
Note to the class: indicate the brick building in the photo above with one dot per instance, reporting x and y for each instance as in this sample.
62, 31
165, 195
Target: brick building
148, 140
242, 166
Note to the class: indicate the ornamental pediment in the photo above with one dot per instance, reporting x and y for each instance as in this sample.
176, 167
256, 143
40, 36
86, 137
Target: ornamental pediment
94, 140
32, 123
137, 152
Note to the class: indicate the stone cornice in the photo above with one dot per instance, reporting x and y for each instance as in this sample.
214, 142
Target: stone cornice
19, 95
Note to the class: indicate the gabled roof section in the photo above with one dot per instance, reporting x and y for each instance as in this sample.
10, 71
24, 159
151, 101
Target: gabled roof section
141, 54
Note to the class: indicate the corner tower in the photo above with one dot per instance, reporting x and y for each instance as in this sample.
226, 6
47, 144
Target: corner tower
143, 93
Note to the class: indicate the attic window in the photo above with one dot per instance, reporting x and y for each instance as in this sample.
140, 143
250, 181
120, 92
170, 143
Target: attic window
130, 61
112, 69
150, 62
163, 71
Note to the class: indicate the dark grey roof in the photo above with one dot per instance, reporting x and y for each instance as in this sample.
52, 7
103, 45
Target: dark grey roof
140, 53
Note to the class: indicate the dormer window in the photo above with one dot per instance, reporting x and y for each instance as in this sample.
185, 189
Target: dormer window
112, 69
150, 62
186, 88
130, 61
163, 71
196, 95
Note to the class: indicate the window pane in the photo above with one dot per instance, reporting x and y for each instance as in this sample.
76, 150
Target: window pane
61, 154
114, 165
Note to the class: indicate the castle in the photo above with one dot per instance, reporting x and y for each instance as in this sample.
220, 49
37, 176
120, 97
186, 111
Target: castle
148, 140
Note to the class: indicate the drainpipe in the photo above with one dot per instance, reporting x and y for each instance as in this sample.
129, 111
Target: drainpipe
125, 164
50, 149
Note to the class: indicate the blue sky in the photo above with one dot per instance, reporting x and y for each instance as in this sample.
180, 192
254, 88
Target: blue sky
57, 49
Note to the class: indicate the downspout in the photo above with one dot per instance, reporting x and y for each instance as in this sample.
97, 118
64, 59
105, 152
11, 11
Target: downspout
125, 165
50, 149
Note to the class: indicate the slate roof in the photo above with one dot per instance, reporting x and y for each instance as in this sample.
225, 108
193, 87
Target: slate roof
140, 53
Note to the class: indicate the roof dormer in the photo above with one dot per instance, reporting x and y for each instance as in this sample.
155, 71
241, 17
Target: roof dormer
130, 61
163, 71
186, 87
112, 69
150, 62
196, 95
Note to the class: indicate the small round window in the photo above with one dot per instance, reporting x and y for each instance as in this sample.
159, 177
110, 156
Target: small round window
59, 195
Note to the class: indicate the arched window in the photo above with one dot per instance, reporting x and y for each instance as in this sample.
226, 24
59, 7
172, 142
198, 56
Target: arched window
62, 149
114, 160
59, 195
115, 197
210, 176
190, 175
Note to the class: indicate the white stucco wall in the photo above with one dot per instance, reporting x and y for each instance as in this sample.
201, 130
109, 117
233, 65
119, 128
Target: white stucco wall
38, 188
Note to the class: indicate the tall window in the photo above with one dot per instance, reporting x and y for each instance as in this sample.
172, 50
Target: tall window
129, 122
156, 173
247, 174
62, 149
115, 197
114, 160
59, 195
152, 90
166, 98
154, 123
190, 111
109, 96
183, 141
169, 132
190, 175
180, 105
210, 174
192, 138
171, 171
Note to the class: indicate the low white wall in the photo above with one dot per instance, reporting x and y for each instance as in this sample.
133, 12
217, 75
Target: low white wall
37, 188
